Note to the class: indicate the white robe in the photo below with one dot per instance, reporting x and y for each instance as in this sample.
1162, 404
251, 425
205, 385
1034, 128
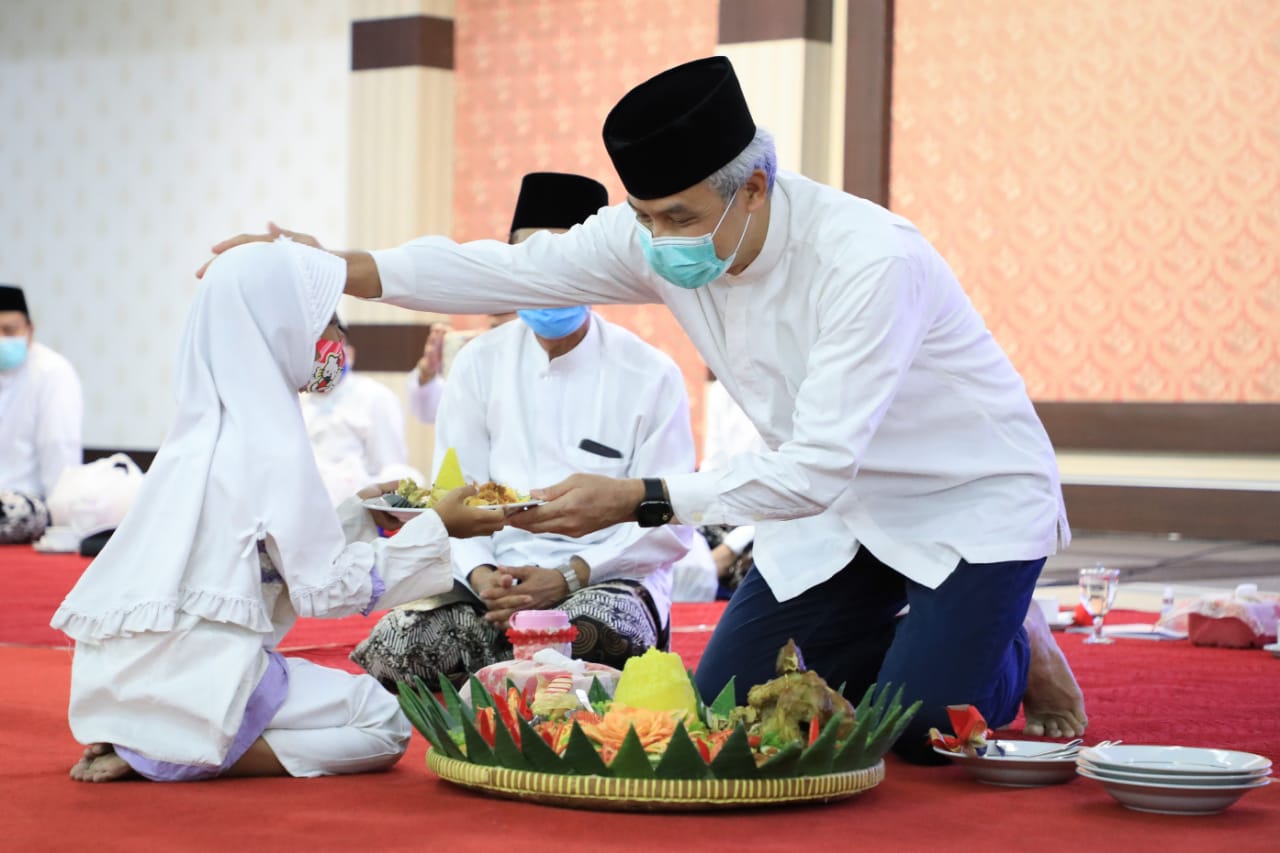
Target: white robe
173, 620
179, 696
41, 409
517, 417
892, 416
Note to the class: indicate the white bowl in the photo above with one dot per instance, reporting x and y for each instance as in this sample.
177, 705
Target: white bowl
1173, 799
1019, 767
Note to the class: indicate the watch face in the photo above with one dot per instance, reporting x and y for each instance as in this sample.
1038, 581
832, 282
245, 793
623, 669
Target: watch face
653, 514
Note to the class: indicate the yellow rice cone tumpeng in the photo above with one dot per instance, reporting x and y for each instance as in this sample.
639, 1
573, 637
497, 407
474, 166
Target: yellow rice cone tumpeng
450, 475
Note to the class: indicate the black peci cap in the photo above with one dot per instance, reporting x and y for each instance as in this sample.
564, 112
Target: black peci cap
557, 200
678, 128
13, 299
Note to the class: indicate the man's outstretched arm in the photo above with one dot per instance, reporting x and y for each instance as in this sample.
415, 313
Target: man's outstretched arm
362, 272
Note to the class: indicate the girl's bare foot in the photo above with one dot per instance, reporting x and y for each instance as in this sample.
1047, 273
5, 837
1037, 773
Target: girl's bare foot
100, 764
1053, 703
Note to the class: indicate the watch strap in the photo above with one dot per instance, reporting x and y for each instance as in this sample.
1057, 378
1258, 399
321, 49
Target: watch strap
653, 490
571, 578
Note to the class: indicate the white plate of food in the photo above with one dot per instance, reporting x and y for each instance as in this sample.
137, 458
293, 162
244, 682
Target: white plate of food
404, 513
1020, 765
493, 495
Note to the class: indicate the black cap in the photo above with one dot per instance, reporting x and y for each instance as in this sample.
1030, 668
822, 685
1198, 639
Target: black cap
13, 299
678, 128
557, 200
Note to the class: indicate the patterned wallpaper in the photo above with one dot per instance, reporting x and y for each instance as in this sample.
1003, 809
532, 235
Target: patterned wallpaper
1105, 179
134, 134
535, 81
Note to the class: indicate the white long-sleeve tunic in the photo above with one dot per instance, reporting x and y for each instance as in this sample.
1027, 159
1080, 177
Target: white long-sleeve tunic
892, 416
517, 417
178, 696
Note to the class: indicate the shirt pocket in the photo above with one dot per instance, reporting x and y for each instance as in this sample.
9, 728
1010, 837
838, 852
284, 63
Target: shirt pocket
599, 456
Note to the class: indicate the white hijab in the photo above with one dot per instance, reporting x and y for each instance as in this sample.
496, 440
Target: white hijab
236, 465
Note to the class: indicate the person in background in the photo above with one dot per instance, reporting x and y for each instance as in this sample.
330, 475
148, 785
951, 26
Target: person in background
356, 432
41, 409
531, 402
425, 383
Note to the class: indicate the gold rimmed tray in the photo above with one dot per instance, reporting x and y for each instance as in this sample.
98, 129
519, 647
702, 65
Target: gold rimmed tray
613, 794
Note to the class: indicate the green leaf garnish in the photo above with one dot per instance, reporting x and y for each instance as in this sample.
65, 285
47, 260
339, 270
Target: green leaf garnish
631, 762
681, 759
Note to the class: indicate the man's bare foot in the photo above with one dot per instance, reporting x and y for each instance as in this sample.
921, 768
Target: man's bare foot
1053, 703
100, 764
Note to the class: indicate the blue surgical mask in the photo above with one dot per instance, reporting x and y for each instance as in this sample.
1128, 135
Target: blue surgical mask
13, 352
689, 262
554, 323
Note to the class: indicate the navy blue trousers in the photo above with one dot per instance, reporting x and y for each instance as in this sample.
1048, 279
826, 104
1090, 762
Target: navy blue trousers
962, 643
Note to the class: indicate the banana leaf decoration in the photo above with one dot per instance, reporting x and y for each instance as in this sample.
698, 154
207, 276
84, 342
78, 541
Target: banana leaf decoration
451, 727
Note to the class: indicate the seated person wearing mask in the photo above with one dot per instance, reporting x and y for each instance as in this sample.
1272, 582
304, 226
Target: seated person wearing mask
40, 416
528, 403
357, 431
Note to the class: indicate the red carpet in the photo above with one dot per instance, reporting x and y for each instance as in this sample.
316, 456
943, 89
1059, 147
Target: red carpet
1141, 691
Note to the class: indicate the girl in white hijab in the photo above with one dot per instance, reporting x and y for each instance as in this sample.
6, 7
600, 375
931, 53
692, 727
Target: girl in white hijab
230, 539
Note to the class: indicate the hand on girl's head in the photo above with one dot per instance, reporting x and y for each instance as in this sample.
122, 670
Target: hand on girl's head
464, 521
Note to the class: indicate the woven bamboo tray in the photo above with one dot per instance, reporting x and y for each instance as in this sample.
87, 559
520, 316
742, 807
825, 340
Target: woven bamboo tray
612, 794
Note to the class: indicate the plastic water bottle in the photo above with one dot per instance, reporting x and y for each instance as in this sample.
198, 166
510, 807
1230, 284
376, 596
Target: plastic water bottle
1166, 603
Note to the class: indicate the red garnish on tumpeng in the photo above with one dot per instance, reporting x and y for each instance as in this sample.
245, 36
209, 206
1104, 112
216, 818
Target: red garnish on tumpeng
485, 725
815, 727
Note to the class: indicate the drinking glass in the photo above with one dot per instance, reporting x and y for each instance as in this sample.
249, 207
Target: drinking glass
1097, 594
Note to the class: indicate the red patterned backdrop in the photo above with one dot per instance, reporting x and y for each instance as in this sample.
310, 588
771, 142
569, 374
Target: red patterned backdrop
534, 83
1105, 178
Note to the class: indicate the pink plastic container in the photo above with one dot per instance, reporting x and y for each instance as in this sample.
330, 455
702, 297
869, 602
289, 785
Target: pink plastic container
531, 631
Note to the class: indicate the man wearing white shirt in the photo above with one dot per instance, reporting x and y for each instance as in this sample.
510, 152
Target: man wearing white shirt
906, 463
41, 409
356, 431
534, 401
720, 553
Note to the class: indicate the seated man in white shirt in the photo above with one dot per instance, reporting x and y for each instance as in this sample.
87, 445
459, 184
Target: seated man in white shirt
357, 431
40, 417
561, 391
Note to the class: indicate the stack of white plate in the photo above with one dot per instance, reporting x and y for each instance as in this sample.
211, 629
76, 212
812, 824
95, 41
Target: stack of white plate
1174, 779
